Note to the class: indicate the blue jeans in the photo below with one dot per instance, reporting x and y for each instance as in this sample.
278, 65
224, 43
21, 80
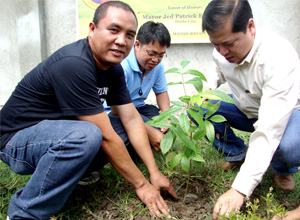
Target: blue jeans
100, 159
286, 158
148, 111
57, 154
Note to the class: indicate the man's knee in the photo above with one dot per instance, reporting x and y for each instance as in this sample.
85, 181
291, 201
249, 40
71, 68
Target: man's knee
289, 153
91, 138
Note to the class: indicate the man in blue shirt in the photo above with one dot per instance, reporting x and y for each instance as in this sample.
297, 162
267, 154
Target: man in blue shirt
144, 71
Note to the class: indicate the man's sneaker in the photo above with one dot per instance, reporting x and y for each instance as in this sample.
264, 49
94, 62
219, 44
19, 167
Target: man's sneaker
285, 183
230, 165
90, 179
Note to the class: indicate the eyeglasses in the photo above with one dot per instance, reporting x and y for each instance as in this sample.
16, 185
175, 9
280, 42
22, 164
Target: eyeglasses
155, 55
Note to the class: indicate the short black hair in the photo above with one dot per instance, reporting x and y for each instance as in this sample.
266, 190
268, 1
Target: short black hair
102, 10
218, 11
152, 32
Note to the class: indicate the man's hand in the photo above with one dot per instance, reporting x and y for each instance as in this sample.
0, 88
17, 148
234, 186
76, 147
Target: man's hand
155, 137
290, 215
231, 201
159, 181
151, 197
165, 130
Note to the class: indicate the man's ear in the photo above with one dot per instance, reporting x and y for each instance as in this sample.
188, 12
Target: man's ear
92, 28
137, 44
251, 26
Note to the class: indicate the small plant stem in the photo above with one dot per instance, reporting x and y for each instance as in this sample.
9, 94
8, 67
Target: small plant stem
187, 182
189, 173
183, 83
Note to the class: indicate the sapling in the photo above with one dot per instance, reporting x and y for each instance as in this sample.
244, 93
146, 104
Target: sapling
182, 127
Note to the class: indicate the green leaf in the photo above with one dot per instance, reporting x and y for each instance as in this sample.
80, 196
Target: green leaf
159, 124
209, 96
174, 83
197, 99
199, 134
185, 98
210, 107
151, 123
210, 131
217, 118
184, 63
184, 122
188, 152
195, 73
191, 81
193, 128
166, 142
184, 139
197, 157
174, 119
185, 164
198, 118
176, 160
198, 86
170, 156
221, 96
197, 82
165, 114
197, 109
173, 70
178, 103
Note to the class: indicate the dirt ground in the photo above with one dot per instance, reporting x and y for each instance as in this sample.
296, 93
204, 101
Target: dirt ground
198, 204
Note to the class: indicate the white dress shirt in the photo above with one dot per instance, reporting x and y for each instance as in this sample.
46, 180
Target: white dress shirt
266, 86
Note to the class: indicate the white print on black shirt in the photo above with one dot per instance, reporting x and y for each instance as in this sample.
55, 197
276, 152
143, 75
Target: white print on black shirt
102, 92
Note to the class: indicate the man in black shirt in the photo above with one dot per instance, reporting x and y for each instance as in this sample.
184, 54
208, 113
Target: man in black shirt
54, 123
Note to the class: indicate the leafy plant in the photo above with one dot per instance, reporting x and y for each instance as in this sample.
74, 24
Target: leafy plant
252, 208
182, 126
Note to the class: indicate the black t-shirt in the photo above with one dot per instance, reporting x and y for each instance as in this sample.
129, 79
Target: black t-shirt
65, 85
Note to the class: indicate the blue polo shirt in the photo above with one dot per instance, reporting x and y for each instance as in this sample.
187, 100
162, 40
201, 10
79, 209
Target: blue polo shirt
155, 80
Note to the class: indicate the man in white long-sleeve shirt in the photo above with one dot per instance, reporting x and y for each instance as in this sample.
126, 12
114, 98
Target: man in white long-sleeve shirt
263, 72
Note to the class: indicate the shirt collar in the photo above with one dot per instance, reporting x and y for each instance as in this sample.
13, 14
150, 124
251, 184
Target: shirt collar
257, 42
133, 61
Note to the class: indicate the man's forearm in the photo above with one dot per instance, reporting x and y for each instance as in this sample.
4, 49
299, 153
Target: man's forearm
163, 101
120, 159
141, 143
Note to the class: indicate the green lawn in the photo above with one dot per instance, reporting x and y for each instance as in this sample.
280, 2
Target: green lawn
112, 192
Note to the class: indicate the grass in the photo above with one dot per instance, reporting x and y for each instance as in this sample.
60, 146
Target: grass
9, 184
114, 193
